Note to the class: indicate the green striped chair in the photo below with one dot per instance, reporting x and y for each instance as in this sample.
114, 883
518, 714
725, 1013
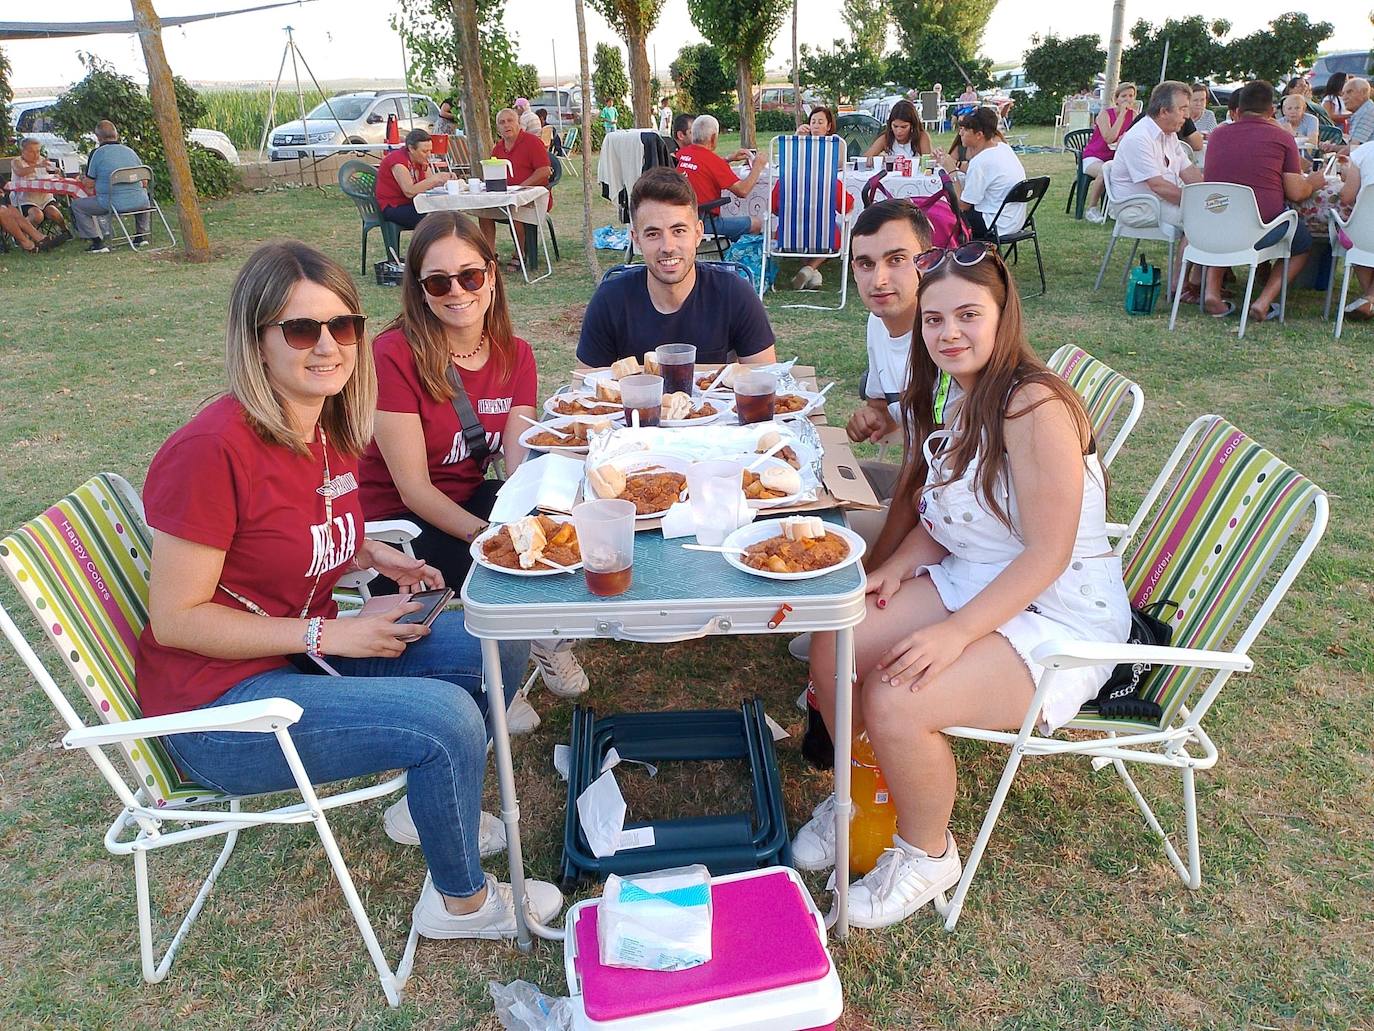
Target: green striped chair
1114, 403
1223, 532
82, 569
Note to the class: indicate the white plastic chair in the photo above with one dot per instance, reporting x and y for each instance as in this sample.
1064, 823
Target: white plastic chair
1223, 226
1360, 228
807, 169
138, 175
1074, 113
1143, 209
82, 569
1210, 544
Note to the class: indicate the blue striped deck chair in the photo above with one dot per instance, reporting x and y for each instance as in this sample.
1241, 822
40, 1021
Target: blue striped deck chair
807, 169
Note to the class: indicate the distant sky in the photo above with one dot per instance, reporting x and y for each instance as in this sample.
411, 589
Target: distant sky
352, 39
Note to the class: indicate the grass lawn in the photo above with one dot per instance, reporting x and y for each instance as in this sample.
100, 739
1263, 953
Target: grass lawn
1076, 919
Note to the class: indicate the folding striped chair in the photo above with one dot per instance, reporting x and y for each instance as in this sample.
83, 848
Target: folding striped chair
1219, 522
808, 170
82, 568
1105, 393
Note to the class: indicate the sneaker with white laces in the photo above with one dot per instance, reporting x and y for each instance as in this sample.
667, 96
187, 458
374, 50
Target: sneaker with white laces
904, 880
814, 846
400, 828
800, 647
520, 715
1095, 215
559, 668
496, 917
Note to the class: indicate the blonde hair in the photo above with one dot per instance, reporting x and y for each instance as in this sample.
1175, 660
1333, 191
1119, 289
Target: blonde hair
259, 296
1122, 87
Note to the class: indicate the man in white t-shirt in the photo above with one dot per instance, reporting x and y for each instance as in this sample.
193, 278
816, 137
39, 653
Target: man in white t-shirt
1151, 160
993, 169
1357, 173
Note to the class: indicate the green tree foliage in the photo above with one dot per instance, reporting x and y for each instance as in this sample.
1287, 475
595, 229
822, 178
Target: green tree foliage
632, 21
104, 93
1195, 51
867, 23
525, 84
609, 81
842, 73
6, 95
427, 28
742, 30
1062, 67
965, 20
938, 55
703, 77
1272, 53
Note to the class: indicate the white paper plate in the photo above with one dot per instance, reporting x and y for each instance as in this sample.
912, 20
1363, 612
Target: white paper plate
638, 462
558, 423
808, 396
475, 550
615, 411
754, 532
782, 502
723, 404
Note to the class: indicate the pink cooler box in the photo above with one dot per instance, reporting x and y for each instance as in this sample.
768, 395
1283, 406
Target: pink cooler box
769, 967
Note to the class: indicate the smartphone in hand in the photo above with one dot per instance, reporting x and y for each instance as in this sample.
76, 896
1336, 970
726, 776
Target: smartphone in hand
433, 602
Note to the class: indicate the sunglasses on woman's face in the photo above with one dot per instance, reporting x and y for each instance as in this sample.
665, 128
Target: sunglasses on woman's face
303, 334
966, 255
440, 284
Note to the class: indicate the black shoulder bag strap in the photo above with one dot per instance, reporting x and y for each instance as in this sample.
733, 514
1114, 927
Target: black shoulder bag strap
473, 434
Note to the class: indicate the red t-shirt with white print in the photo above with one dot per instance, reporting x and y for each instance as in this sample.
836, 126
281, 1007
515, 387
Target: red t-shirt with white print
216, 482
451, 468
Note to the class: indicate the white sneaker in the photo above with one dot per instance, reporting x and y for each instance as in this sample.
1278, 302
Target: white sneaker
800, 647
558, 666
800, 280
813, 278
496, 918
801, 699
1095, 215
902, 882
400, 828
814, 846
520, 715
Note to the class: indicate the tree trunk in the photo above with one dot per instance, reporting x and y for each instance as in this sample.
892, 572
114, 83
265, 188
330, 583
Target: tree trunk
164, 100
799, 114
593, 266
642, 99
1114, 50
476, 112
745, 77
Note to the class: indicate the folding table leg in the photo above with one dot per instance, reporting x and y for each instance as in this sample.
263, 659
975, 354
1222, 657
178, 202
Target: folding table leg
844, 729
505, 775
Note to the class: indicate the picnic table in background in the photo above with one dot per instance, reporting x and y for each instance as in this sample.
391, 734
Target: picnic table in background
1315, 209
757, 203
66, 186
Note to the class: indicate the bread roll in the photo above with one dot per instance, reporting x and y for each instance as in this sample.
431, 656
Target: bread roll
625, 367
782, 479
528, 537
800, 528
607, 391
767, 441
651, 365
606, 481
677, 405
597, 426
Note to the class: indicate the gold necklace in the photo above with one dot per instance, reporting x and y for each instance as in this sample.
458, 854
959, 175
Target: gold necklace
481, 343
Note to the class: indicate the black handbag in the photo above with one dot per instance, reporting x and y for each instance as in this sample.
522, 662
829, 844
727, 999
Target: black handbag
1120, 695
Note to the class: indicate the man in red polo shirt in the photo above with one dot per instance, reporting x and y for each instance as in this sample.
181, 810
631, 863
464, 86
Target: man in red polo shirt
529, 166
710, 176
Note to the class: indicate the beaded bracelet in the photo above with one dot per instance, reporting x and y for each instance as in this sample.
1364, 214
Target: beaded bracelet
314, 637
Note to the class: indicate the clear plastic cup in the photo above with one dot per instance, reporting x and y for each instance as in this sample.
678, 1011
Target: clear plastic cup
677, 363
715, 498
606, 538
642, 396
755, 394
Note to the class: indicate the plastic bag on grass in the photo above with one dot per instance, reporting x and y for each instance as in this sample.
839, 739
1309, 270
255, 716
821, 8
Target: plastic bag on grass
656, 921
520, 1006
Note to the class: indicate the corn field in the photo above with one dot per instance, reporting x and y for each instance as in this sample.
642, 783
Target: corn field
239, 114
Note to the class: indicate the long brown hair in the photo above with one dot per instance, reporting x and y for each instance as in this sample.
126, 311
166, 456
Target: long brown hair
905, 111
423, 331
983, 410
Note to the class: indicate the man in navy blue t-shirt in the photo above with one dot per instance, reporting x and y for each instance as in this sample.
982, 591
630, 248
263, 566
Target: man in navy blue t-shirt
673, 299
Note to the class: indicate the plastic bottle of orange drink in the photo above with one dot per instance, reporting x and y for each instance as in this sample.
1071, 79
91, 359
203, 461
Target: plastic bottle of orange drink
875, 817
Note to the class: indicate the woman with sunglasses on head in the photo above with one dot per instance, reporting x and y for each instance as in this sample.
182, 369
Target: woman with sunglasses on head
1009, 550
454, 334
903, 135
256, 515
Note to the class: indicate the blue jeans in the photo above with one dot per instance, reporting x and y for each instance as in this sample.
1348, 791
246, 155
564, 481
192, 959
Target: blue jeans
732, 227
419, 712
1302, 238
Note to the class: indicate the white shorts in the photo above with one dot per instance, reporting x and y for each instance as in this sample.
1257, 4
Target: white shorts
1092, 166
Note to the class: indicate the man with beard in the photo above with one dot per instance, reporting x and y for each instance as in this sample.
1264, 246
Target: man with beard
673, 299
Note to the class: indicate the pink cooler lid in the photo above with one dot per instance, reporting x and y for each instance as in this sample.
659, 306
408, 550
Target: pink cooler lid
762, 937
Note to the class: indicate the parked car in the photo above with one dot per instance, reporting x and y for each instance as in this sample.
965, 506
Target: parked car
32, 116
783, 98
1015, 78
352, 118
559, 100
1352, 62
848, 122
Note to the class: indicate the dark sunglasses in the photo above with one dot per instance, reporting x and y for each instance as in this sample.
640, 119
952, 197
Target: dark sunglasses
966, 255
439, 284
303, 334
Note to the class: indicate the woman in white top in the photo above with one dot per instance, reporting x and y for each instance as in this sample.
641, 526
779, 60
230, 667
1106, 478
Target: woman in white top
1009, 550
903, 136
993, 169
1296, 119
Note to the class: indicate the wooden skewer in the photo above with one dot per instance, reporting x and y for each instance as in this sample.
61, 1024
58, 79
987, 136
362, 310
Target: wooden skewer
556, 565
719, 550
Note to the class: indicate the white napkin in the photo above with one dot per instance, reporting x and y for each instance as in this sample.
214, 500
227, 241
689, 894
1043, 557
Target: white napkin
677, 522
601, 812
549, 481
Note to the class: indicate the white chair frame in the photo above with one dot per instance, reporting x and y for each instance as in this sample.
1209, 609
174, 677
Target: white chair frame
769, 223
1361, 254
1167, 747
1160, 230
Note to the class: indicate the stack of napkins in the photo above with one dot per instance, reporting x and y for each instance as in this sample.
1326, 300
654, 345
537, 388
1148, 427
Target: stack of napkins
656, 921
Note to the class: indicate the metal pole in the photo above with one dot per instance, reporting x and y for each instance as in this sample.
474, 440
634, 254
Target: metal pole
405, 75
1164, 64
272, 105
1114, 48
557, 90
300, 104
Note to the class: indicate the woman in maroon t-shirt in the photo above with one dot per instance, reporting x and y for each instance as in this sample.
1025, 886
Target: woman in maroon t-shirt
403, 175
454, 323
256, 515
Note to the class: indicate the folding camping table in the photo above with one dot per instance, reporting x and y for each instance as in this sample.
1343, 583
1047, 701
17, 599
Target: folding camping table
676, 595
